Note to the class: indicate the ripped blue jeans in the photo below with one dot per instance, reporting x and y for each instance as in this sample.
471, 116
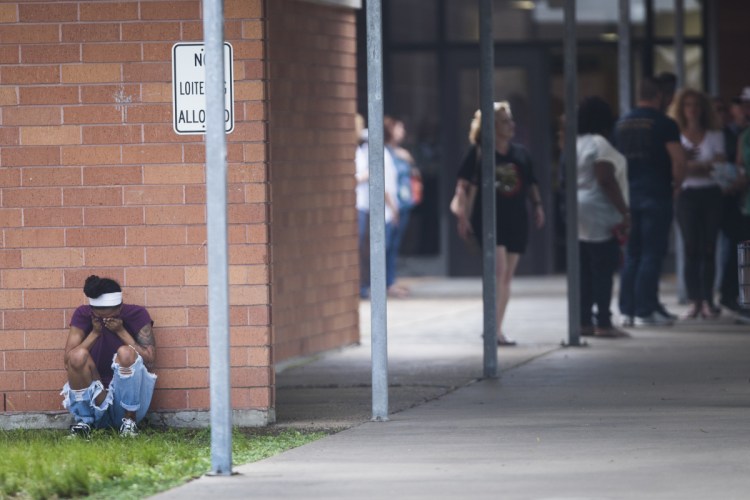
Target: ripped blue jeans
130, 390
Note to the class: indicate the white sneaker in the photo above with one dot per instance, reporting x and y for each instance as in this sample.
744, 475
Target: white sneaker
128, 428
653, 319
627, 322
79, 430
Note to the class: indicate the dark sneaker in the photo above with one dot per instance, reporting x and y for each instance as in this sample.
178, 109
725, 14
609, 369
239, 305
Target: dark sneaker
662, 311
652, 319
128, 428
80, 430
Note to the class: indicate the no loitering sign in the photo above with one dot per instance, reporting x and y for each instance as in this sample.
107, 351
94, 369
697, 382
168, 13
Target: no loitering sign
189, 88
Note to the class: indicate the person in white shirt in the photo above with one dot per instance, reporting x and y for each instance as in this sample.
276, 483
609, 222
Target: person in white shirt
699, 201
603, 215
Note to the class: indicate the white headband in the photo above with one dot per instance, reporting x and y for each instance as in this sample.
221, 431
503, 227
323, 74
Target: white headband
107, 300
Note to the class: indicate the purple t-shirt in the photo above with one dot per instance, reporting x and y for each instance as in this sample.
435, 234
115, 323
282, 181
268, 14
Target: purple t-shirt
134, 318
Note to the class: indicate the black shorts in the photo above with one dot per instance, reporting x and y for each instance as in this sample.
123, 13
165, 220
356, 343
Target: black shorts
510, 232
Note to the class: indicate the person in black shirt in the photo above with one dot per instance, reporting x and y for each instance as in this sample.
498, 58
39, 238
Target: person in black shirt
514, 184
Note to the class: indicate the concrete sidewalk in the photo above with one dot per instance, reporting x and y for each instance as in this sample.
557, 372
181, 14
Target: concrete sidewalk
665, 414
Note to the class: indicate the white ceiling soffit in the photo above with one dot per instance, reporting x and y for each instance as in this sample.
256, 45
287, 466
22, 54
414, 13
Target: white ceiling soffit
352, 4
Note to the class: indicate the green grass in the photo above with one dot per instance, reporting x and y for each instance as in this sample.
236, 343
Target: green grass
43, 464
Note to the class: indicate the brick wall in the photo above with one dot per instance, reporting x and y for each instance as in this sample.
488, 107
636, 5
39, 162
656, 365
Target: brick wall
312, 101
94, 180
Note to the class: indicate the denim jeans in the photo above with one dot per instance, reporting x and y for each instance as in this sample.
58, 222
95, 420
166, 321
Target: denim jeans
363, 226
598, 262
644, 253
397, 235
125, 393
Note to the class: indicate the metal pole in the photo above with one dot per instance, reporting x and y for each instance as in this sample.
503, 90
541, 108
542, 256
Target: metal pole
489, 241
377, 210
679, 41
571, 181
623, 56
216, 202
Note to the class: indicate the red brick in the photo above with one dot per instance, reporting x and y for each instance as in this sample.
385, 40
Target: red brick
171, 358
32, 197
10, 259
255, 111
248, 49
168, 316
91, 73
33, 401
182, 337
49, 339
116, 134
198, 399
250, 335
150, 113
8, 13
248, 376
37, 115
95, 237
59, 299
155, 276
115, 11
183, 378
41, 33
174, 296
41, 54
249, 294
169, 400
243, 9
113, 256
111, 52
174, 174
118, 216
32, 320
49, 136
154, 195
52, 257
92, 196
178, 10
247, 398
108, 94
10, 299
10, 177
157, 52
34, 238
11, 381
11, 217
47, 12
157, 92
247, 214
51, 176
252, 30
112, 175
92, 114
38, 380
29, 75
188, 214
56, 217
155, 235
31, 156
91, 155
147, 72
247, 173
152, 153
151, 31
176, 256
249, 91
48, 95
248, 254
95, 32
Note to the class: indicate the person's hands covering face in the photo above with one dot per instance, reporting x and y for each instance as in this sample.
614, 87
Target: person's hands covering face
113, 324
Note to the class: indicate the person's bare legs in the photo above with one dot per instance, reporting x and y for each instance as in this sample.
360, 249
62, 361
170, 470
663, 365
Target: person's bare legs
506, 263
126, 357
82, 371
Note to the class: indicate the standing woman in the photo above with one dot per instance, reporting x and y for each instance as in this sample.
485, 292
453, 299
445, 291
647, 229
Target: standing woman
699, 203
514, 183
603, 213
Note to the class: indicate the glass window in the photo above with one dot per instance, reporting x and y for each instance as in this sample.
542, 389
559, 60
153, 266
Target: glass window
664, 21
541, 19
664, 60
409, 21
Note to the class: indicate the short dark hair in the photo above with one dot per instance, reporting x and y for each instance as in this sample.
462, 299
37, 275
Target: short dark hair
96, 286
595, 117
649, 89
667, 82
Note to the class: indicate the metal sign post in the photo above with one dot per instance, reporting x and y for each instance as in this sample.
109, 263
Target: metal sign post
623, 56
216, 202
378, 301
489, 238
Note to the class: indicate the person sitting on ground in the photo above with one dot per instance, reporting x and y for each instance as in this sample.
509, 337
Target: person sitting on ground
108, 357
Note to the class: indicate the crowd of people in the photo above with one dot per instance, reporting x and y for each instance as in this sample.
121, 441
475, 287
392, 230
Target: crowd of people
679, 160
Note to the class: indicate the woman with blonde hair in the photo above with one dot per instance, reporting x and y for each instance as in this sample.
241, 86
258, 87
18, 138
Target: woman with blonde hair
514, 184
699, 201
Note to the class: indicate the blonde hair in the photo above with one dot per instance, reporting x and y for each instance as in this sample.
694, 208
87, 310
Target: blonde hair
475, 129
707, 119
